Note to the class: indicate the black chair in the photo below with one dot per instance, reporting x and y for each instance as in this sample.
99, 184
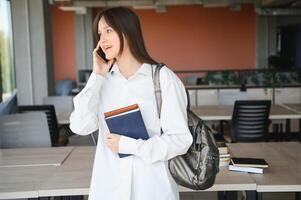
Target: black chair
49, 110
250, 121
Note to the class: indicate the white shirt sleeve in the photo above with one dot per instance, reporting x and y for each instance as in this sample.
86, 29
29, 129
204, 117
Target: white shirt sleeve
83, 119
176, 138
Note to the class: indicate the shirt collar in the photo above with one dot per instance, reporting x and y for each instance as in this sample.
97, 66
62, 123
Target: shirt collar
145, 69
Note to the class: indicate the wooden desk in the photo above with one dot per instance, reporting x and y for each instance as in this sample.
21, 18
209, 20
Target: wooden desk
23, 182
229, 181
33, 156
73, 177
23, 171
294, 107
223, 112
284, 159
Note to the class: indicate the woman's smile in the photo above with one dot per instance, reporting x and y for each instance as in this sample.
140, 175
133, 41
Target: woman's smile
106, 47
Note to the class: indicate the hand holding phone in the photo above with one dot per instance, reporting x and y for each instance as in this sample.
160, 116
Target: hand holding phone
100, 64
102, 54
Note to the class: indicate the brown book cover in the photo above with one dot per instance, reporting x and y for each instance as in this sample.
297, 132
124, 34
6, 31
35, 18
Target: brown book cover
120, 110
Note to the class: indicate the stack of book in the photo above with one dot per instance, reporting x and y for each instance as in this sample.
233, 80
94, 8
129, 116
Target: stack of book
224, 156
252, 165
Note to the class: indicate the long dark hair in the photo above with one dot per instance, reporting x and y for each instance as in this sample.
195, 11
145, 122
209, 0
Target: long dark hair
125, 22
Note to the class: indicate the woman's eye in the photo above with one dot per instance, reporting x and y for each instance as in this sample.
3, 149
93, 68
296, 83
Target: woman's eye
109, 30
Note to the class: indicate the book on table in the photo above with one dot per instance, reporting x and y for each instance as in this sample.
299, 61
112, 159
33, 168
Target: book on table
222, 147
127, 121
249, 162
246, 169
252, 165
224, 161
225, 155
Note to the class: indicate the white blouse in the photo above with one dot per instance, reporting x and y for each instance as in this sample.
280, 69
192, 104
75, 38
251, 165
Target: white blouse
145, 175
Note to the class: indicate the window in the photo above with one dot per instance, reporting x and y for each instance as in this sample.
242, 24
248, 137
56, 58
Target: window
7, 78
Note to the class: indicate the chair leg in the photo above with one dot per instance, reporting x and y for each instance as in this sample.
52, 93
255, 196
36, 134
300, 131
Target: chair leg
231, 195
93, 139
281, 132
77, 198
227, 195
251, 195
297, 195
276, 132
288, 129
220, 195
259, 195
299, 130
222, 127
66, 198
69, 198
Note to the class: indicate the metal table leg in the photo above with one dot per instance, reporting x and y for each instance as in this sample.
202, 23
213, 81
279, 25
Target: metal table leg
251, 195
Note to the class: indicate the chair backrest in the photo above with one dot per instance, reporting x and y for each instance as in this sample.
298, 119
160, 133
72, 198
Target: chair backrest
61, 103
250, 120
49, 110
24, 130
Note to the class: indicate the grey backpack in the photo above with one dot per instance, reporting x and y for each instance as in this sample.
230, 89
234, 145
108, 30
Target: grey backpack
197, 168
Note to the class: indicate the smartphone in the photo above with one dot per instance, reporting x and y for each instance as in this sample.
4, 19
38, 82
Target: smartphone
102, 54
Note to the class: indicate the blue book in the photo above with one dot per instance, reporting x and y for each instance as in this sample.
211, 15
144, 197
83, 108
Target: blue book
127, 121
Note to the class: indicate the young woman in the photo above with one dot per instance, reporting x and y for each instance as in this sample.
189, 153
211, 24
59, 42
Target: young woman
145, 174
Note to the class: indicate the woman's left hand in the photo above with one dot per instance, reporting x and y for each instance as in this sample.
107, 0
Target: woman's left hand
112, 142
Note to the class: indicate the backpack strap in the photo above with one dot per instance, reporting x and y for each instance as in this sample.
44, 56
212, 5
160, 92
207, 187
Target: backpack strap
157, 87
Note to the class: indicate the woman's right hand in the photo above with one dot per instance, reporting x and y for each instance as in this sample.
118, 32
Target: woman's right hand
100, 67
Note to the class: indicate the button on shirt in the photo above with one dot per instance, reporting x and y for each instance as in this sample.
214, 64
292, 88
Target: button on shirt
145, 174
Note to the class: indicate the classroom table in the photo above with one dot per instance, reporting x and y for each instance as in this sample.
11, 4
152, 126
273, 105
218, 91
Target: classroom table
73, 176
278, 114
294, 107
224, 112
23, 182
23, 170
79, 167
284, 160
33, 157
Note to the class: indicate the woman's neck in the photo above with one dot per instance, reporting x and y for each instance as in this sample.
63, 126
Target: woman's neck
128, 65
